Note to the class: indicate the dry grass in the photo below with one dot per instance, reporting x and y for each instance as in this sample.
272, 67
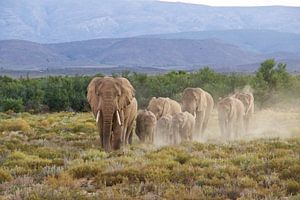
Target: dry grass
57, 156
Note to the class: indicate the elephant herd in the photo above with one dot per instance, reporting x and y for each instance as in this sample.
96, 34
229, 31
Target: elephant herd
164, 121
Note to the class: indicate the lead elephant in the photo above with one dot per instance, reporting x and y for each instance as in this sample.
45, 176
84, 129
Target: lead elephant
183, 124
145, 126
115, 108
231, 114
163, 133
200, 104
163, 106
248, 100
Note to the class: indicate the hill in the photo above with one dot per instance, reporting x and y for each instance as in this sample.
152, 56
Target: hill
134, 52
62, 21
260, 41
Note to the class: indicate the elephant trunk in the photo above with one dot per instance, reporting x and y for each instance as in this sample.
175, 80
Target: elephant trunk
175, 130
107, 133
108, 111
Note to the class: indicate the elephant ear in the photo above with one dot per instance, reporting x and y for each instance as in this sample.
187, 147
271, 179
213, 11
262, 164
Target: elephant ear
92, 97
250, 107
127, 92
166, 107
231, 108
185, 119
201, 101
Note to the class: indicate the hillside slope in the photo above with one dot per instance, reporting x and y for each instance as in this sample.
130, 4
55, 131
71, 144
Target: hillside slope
144, 52
260, 41
62, 21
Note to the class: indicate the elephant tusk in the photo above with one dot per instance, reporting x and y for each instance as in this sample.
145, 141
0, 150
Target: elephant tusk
97, 117
118, 118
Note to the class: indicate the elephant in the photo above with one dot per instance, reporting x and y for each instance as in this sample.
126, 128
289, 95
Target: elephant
162, 106
114, 106
248, 100
183, 124
200, 104
145, 126
231, 112
163, 134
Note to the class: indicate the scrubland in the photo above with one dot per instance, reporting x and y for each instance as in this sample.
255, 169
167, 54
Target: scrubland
58, 156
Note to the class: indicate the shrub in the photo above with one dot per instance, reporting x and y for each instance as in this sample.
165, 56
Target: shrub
120, 176
62, 180
27, 161
42, 192
14, 125
4, 175
49, 153
93, 155
84, 169
15, 105
293, 187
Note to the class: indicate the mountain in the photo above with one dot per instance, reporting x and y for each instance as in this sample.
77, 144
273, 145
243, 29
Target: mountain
51, 21
260, 41
132, 52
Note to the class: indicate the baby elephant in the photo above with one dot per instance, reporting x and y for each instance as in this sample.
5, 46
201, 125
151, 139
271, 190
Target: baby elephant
182, 127
231, 113
163, 130
248, 100
145, 126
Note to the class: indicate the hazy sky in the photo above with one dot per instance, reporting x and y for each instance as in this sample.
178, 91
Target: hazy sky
242, 2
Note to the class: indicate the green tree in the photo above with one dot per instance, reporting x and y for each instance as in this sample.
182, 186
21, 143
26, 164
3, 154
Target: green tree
56, 93
269, 79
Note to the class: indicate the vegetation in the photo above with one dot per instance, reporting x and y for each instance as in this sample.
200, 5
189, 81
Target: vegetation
58, 156
69, 93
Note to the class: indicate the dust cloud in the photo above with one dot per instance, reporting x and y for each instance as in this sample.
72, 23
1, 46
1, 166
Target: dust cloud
280, 121
275, 122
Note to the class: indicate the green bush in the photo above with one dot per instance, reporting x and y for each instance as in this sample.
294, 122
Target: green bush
4, 175
270, 84
15, 105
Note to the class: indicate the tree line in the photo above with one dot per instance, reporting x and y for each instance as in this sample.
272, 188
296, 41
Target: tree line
65, 93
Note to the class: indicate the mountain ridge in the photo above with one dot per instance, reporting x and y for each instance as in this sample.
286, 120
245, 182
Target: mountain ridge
62, 21
166, 54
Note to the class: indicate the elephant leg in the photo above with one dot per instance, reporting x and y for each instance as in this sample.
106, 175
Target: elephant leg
129, 133
199, 123
130, 137
101, 138
246, 124
152, 136
178, 138
124, 142
170, 138
190, 135
230, 129
116, 137
241, 128
205, 122
100, 131
236, 130
222, 126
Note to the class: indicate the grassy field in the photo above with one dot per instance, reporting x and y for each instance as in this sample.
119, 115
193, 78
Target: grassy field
57, 156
